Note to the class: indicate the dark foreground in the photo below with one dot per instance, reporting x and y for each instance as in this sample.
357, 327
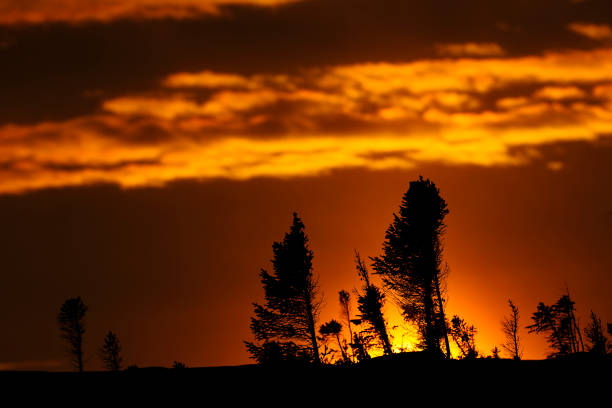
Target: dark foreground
400, 379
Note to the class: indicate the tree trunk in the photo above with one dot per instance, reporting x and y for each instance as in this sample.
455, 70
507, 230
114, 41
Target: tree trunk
341, 348
442, 316
313, 335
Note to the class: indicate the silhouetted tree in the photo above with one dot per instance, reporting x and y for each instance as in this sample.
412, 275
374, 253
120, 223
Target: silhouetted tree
333, 328
510, 327
345, 312
291, 300
110, 352
370, 304
345, 309
177, 365
596, 337
559, 322
495, 353
360, 345
71, 319
410, 266
464, 337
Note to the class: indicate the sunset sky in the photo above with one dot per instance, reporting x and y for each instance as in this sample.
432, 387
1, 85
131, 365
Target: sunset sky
151, 151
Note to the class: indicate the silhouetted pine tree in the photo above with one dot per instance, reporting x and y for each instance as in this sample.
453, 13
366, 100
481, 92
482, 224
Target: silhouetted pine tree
559, 322
596, 337
370, 304
464, 336
71, 319
110, 352
510, 327
285, 324
410, 266
333, 328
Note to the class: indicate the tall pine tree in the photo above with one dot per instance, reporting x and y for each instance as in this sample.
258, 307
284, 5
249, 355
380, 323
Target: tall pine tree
410, 265
285, 325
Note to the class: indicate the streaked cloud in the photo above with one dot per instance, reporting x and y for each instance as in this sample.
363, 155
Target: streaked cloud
78, 11
592, 31
206, 125
470, 49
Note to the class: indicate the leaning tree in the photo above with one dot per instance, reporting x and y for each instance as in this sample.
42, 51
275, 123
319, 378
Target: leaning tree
411, 262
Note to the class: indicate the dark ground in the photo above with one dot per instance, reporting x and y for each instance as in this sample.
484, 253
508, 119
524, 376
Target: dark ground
400, 380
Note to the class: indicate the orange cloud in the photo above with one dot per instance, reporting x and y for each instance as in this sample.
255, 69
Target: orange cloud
78, 11
560, 93
472, 75
593, 31
373, 116
470, 49
511, 102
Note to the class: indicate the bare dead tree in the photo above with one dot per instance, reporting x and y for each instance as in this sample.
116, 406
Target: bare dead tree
510, 327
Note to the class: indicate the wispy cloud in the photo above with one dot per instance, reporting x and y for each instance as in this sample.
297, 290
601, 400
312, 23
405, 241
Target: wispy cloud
470, 49
593, 31
78, 11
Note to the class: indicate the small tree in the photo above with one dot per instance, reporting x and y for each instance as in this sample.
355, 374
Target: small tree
71, 319
510, 327
345, 309
292, 302
178, 365
559, 323
361, 344
596, 337
333, 328
464, 336
345, 312
110, 352
370, 304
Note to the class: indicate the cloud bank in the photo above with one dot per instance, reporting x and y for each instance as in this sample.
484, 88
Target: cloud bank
206, 124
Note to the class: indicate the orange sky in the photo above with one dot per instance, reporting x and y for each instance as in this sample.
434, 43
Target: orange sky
152, 151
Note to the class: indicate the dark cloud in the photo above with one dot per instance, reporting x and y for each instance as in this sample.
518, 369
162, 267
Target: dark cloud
59, 71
